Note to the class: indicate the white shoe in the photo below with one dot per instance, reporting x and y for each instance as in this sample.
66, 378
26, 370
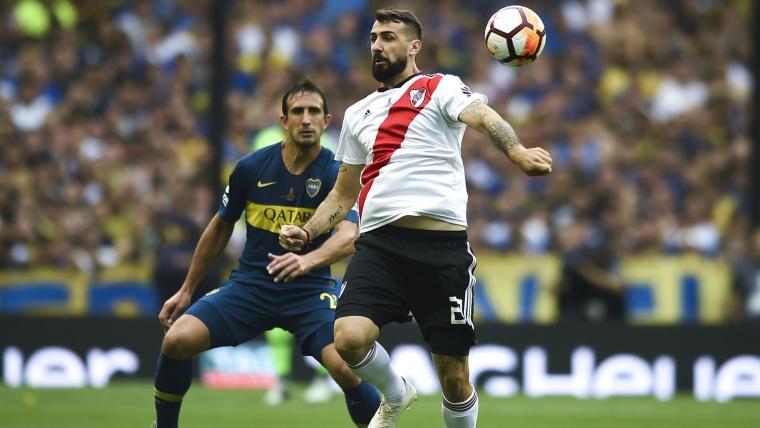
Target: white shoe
387, 414
319, 391
277, 394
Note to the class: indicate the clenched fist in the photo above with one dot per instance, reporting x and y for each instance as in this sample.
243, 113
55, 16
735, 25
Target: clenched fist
533, 161
293, 238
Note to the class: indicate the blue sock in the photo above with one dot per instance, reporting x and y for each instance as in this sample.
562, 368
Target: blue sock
173, 379
362, 402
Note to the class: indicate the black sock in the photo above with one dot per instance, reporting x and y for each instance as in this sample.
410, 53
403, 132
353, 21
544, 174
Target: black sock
172, 381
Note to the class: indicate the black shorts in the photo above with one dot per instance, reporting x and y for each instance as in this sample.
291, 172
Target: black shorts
428, 274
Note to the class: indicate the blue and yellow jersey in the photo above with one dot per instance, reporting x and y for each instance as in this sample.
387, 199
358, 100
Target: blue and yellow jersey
261, 187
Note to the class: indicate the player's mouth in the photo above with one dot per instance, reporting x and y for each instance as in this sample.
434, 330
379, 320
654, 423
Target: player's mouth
306, 134
380, 60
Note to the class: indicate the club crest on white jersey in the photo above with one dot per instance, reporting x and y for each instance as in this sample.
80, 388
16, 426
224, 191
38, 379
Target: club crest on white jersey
417, 96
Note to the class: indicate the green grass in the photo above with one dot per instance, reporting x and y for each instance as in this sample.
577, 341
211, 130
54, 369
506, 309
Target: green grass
129, 404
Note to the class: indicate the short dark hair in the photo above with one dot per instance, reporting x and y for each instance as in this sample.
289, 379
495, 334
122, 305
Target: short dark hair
401, 16
305, 86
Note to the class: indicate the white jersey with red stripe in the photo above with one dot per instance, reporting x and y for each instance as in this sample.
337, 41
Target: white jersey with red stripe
410, 139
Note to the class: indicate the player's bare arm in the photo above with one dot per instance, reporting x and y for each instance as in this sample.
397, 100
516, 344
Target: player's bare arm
533, 161
213, 241
330, 212
340, 245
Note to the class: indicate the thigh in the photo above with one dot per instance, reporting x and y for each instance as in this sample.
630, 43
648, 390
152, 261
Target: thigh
234, 313
443, 296
374, 286
308, 311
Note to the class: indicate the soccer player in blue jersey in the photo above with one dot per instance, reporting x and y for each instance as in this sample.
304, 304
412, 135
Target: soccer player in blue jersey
281, 184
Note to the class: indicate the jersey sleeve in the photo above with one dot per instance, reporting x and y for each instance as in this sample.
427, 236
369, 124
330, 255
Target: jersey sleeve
349, 149
454, 96
233, 200
353, 215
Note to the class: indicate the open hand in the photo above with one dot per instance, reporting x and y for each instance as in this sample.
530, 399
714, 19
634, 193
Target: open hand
288, 266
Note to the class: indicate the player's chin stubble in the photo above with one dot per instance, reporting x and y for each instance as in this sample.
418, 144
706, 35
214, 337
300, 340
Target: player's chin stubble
385, 71
305, 142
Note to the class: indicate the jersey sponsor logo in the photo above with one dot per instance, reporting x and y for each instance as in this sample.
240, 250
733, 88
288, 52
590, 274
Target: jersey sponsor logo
271, 217
312, 186
466, 90
263, 184
417, 96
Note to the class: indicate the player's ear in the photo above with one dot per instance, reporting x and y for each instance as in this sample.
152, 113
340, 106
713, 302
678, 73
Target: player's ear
328, 118
284, 121
415, 46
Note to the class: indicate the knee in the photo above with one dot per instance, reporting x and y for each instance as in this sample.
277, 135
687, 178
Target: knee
351, 343
177, 345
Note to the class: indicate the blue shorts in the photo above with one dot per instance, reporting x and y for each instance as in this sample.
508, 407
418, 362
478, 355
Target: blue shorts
235, 313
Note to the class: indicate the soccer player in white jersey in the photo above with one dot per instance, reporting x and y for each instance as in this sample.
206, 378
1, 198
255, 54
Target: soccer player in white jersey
400, 153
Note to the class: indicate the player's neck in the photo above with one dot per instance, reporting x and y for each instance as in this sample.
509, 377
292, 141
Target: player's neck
298, 158
409, 71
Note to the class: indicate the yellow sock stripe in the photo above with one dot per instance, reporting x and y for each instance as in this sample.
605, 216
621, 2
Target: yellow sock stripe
175, 398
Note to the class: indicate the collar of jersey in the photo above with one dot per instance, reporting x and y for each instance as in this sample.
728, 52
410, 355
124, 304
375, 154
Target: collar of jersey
399, 84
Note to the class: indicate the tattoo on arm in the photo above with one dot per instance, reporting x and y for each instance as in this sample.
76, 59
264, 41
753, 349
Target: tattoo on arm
342, 168
473, 113
483, 118
335, 214
503, 136
314, 232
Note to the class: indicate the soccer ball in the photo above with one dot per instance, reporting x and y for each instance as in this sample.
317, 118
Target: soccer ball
515, 36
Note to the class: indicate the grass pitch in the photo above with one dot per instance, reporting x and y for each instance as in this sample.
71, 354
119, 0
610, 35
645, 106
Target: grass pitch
130, 405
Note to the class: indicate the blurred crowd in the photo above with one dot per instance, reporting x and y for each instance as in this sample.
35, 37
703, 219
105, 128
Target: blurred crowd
643, 104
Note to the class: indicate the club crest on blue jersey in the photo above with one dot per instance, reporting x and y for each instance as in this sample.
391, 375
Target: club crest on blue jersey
417, 96
312, 186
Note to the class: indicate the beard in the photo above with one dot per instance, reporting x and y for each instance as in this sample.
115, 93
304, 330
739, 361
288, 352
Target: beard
384, 71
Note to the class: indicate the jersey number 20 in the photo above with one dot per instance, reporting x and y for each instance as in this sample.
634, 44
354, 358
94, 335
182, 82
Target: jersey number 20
457, 316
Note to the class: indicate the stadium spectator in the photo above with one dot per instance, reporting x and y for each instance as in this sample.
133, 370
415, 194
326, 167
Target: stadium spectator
589, 289
102, 111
